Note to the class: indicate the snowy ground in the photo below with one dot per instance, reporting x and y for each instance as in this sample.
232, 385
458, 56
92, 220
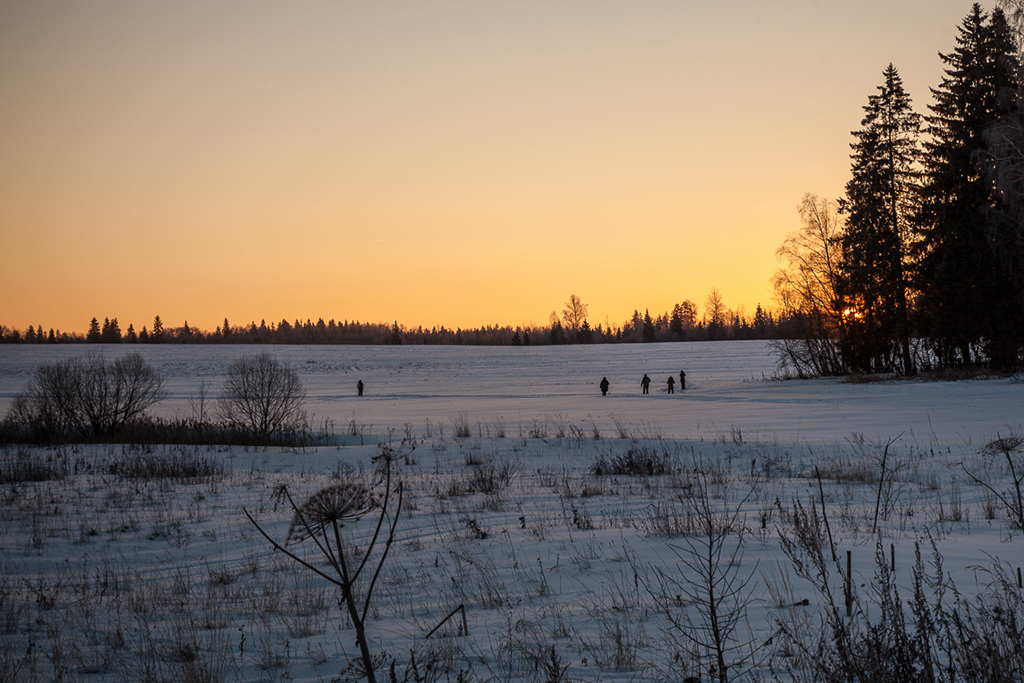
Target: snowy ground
110, 577
725, 389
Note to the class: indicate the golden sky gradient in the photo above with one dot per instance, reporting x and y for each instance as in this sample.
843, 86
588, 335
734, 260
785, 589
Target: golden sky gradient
435, 163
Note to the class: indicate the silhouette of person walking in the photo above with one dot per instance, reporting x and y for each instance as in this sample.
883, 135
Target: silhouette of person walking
671, 384
646, 383
604, 386
359, 387
682, 380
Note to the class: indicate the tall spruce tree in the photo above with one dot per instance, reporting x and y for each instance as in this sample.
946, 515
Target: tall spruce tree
675, 324
94, 335
1006, 229
649, 334
157, 336
1006, 170
880, 206
966, 300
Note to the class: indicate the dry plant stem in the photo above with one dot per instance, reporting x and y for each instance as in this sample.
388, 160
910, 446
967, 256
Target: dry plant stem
353, 612
336, 557
881, 481
293, 556
465, 626
1007, 446
388, 455
1016, 483
824, 516
1017, 510
803, 548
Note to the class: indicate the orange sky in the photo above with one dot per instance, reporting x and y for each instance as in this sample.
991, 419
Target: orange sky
455, 163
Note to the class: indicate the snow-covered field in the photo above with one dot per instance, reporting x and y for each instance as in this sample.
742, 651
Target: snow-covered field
564, 573
407, 384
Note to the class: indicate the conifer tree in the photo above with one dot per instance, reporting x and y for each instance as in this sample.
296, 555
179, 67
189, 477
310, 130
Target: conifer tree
94, 335
760, 322
880, 205
966, 298
585, 335
157, 335
557, 335
675, 324
111, 333
648, 328
1006, 170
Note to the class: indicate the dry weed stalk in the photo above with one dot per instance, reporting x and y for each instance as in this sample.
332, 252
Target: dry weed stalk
1012, 448
322, 516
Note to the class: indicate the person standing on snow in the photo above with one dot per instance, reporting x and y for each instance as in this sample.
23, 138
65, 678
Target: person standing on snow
604, 386
645, 383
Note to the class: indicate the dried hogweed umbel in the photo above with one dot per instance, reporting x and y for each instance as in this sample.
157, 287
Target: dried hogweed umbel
339, 503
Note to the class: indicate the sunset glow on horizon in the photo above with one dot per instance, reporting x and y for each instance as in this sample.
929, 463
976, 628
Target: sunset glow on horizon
446, 163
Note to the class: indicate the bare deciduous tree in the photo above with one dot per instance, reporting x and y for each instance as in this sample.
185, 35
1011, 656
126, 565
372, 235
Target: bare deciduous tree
263, 395
575, 313
714, 308
79, 396
705, 599
714, 314
806, 288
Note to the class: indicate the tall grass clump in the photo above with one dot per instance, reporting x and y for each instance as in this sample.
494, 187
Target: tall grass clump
934, 634
24, 466
182, 464
636, 461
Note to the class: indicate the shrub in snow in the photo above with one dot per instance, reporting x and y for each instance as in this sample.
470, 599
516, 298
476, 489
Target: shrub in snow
85, 396
262, 395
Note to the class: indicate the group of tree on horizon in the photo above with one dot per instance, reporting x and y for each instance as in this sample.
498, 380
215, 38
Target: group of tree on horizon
921, 264
570, 327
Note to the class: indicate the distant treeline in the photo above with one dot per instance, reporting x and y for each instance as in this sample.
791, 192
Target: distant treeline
572, 327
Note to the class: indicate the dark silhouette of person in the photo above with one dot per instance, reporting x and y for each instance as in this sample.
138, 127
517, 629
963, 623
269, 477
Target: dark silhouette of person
671, 384
604, 386
646, 383
682, 380
359, 387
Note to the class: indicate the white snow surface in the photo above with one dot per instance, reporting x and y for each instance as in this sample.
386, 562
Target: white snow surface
727, 385
109, 579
